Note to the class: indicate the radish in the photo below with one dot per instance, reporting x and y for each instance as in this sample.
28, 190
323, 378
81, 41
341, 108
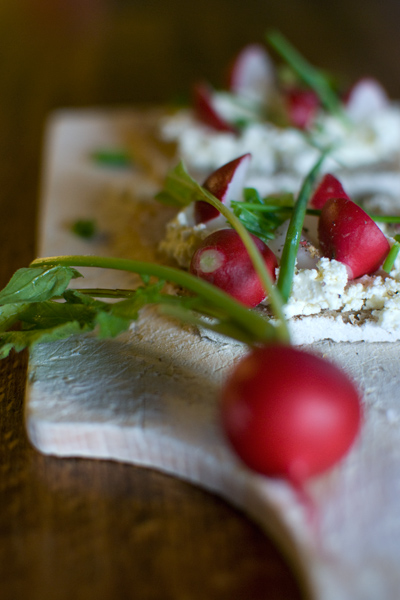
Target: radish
288, 413
347, 234
365, 98
329, 187
252, 74
302, 107
226, 183
222, 259
206, 111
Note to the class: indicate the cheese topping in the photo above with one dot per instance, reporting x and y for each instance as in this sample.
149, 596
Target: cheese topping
323, 287
366, 158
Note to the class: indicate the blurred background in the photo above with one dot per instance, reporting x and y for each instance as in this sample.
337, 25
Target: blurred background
55, 542
60, 53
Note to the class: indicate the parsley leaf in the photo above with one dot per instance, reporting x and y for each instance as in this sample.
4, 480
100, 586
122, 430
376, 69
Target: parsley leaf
37, 284
262, 216
179, 188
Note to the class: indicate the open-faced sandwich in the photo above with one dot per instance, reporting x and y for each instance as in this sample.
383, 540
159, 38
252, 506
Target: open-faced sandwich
253, 147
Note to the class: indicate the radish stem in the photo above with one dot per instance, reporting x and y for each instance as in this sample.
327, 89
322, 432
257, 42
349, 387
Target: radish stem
250, 321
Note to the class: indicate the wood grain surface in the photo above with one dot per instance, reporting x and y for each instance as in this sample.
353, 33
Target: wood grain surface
93, 529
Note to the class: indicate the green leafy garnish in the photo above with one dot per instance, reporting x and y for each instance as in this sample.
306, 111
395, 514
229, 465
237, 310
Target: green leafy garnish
37, 299
391, 257
180, 189
84, 228
37, 285
109, 157
19, 340
307, 73
210, 301
262, 216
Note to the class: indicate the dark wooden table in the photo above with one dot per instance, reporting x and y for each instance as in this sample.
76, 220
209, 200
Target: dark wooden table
94, 529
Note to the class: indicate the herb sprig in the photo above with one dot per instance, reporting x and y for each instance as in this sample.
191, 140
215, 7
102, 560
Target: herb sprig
39, 301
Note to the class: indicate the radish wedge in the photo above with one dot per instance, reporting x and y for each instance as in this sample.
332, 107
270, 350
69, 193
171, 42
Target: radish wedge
206, 111
252, 74
328, 188
347, 234
302, 107
223, 260
226, 184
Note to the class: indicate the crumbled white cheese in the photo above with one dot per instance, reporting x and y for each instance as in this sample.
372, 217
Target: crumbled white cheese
275, 149
319, 284
281, 157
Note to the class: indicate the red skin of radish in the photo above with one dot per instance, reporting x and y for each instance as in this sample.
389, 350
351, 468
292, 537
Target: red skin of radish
288, 413
302, 107
227, 179
206, 112
347, 234
222, 259
329, 187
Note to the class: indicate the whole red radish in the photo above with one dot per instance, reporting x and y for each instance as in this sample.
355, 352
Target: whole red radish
329, 187
302, 107
288, 413
226, 183
347, 234
223, 260
252, 74
206, 111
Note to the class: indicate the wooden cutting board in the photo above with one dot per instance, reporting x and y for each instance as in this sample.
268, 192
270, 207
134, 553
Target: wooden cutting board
150, 397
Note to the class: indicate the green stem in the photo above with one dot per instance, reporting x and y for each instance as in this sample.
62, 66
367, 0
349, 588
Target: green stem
260, 329
385, 218
308, 74
391, 257
106, 293
291, 247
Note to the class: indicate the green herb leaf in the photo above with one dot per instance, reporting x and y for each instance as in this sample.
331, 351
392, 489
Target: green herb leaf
179, 188
111, 325
9, 314
109, 157
263, 216
19, 340
36, 285
45, 315
84, 228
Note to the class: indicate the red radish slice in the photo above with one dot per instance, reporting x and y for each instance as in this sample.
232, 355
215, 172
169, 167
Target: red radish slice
288, 413
222, 259
329, 187
365, 98
252, 73
302, 107
347, 234
205, 109
226, 183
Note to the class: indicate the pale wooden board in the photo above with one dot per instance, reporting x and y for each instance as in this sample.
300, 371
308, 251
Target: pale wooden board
150, 397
